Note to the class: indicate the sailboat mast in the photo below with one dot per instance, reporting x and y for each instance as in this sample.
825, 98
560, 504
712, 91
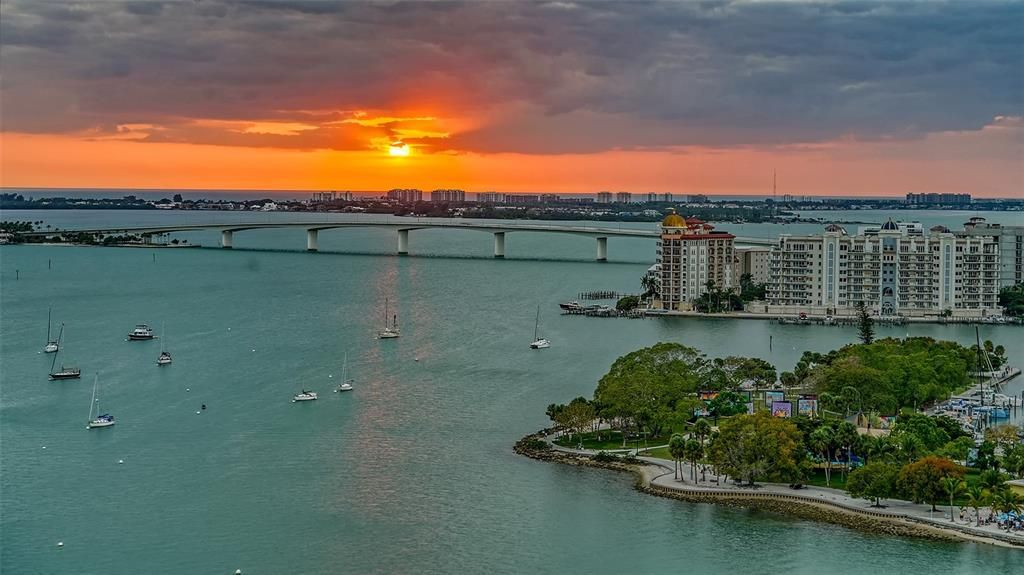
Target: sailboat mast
49, 313
163, 332
981, 382
92, 402
385, 312
536, 324
59, 336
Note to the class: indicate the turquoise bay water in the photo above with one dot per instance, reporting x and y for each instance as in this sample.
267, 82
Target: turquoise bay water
410, 473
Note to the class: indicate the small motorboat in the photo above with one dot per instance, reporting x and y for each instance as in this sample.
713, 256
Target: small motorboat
164, 359
304, 396
140, 333
571, 306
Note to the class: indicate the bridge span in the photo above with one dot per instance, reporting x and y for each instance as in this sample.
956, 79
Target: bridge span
227, 231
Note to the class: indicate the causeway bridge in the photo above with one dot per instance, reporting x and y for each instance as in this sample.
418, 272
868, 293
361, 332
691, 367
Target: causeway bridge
313, 229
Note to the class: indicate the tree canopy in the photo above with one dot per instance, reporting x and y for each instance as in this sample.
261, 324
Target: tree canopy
758, 447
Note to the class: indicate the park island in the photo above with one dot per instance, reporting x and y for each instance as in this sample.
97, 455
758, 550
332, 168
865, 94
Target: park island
889, 436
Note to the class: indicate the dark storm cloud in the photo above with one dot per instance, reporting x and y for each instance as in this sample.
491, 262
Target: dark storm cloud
538, 77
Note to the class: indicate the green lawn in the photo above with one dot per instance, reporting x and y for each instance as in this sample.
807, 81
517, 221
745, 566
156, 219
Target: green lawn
609, 440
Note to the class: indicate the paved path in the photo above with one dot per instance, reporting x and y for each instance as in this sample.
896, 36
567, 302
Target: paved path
893, 507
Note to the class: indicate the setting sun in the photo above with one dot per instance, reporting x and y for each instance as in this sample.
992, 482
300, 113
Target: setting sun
398, 149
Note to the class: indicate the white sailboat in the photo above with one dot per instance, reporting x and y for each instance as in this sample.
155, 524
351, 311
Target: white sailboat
538, 342
52, 345
304, 396
389, 331
346, 384
105, 420
63, 372
165, 356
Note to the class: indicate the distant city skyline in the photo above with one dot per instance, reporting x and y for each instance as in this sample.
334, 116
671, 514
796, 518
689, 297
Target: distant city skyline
874, 99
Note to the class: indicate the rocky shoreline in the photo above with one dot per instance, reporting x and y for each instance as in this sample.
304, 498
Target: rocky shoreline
534, 446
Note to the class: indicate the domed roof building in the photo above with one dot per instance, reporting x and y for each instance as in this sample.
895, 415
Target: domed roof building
673, 220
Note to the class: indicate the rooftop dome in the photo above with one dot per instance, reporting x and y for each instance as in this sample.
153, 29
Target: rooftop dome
673, 220
890, 225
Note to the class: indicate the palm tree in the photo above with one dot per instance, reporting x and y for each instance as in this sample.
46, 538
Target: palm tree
1005, 501
694, 451
976, 499
821, 443
702, 429
677, 448
911, 447
846, 435
953, 486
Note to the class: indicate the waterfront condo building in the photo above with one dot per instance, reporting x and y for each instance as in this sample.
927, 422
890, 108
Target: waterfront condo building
449, 196
690, 254
1011, 248
755, 261
604, 197
893, 269
624, 197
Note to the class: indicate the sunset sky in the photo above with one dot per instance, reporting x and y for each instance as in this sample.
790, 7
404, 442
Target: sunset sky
841, 98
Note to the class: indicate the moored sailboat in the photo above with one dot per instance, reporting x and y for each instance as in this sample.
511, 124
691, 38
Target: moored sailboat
105, 420
52, 345
165, 356
63, 372
390, 331
538, 342
346, 384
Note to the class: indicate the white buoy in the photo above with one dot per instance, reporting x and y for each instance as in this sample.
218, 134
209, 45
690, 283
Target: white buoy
254, 350
44, 447
330, 375
188, 389
60, 544
416, 359
197, 413
237, 571
120, 462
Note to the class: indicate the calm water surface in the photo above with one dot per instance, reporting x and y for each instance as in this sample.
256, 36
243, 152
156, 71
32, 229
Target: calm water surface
413, 471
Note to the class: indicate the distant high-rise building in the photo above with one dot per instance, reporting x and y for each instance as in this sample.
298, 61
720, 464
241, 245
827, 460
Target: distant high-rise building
405, 195
666, 197
942, 199
652, 197
549, 198
448, 196
624, 197
604, 197
1010, 240
522, 199
697, 199
490, 198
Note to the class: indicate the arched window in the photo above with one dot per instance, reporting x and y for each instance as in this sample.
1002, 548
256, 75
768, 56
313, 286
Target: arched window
887, 291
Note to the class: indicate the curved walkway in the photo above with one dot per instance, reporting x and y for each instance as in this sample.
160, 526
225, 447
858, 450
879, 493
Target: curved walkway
663, 479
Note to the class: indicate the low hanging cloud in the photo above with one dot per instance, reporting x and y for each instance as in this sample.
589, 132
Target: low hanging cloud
488, 77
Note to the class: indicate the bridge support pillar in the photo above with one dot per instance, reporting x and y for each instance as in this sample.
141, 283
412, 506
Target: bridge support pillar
602, 249
499, 244
225, 239
403, 242
311, 241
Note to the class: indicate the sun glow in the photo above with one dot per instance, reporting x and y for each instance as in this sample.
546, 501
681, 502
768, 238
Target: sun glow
398, 149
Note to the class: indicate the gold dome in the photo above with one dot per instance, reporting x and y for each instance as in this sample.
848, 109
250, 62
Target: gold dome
673, 220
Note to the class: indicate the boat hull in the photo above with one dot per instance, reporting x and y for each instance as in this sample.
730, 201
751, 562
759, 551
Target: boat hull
61, 376
133, 337
99, 423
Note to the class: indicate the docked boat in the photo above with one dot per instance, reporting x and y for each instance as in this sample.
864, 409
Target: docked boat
391, 330
141, 332
165, 356
105, 420
304, 396
538, 342
52, 345
571, 306
346, 384
63, 372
